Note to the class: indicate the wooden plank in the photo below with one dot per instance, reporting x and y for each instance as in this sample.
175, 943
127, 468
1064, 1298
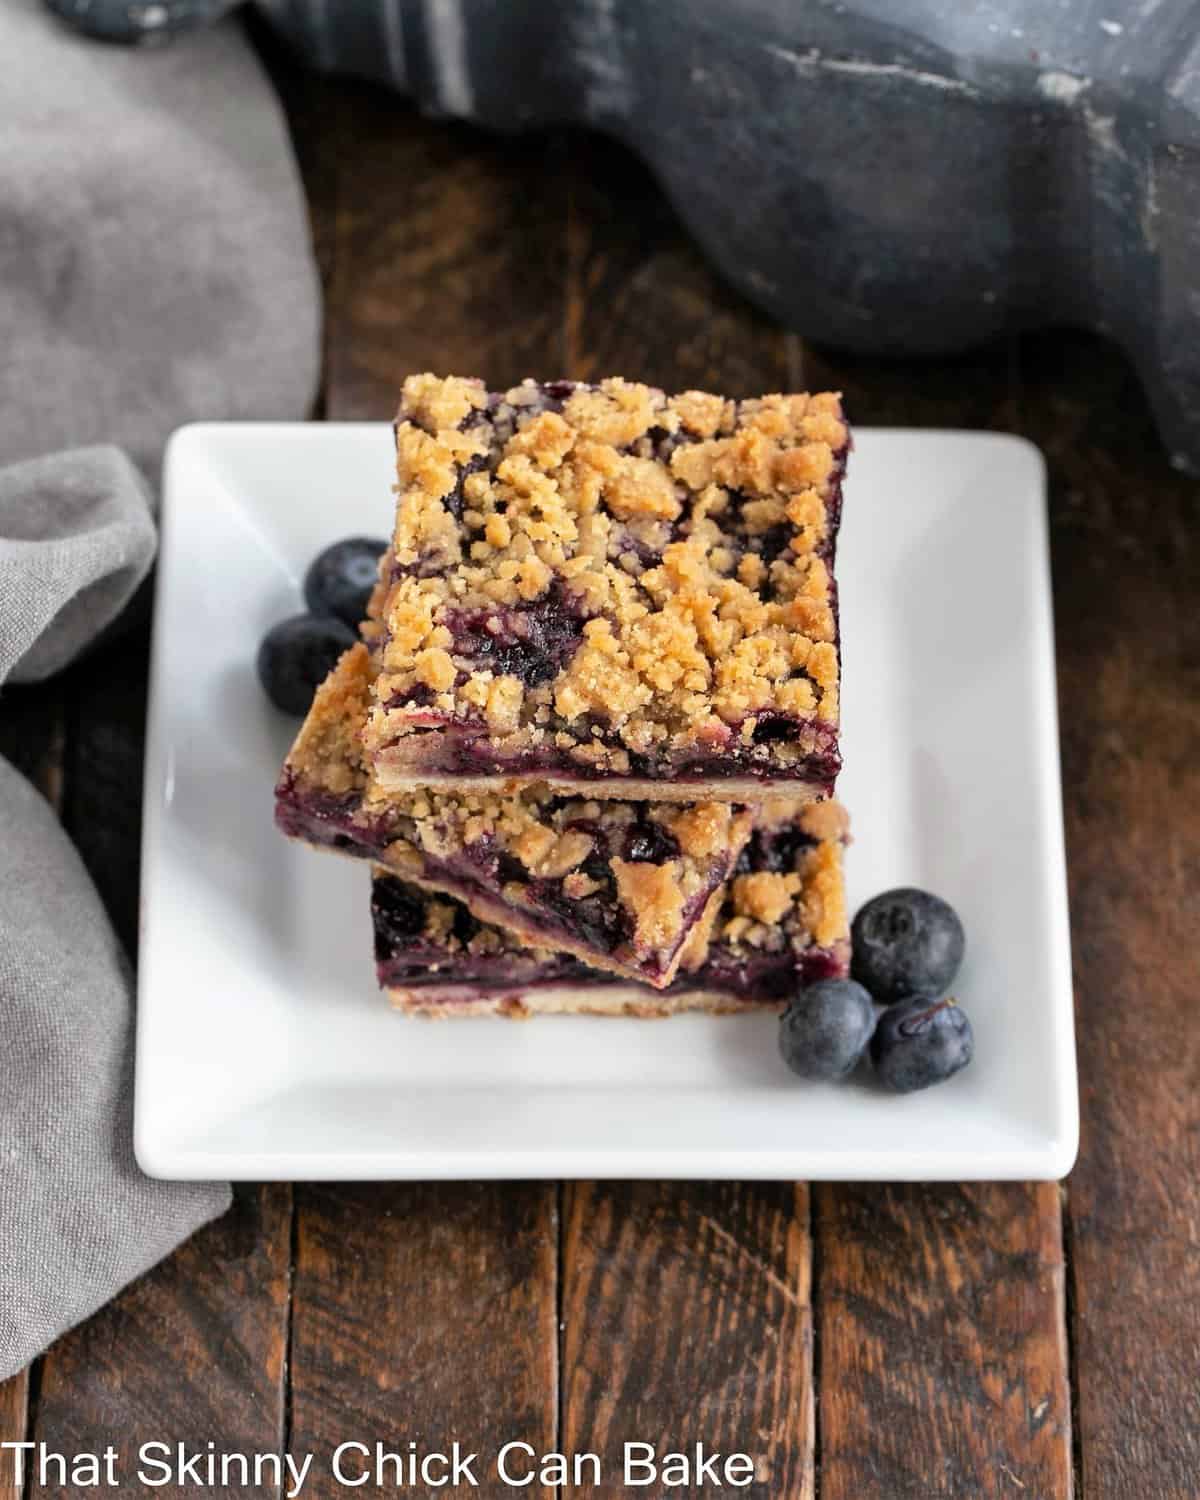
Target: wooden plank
31, 735
1127, 578
193, 1352
106, 730
425, 1313
14, 1424
942, 1366
942, 1358
450, 255
686, 1312
686, 1318
428, 1313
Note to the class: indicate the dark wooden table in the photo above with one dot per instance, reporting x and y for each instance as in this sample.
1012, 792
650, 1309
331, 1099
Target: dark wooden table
864, 1342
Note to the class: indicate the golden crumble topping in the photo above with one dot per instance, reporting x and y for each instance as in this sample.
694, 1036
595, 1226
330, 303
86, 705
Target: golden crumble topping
801, 905
607, 571
765, 896
656, 896
698, 941
328, 750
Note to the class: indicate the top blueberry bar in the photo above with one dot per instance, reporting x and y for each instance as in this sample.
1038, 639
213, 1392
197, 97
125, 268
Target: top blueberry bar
607, 585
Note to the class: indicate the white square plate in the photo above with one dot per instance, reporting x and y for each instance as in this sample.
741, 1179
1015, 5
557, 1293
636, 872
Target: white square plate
264, 1048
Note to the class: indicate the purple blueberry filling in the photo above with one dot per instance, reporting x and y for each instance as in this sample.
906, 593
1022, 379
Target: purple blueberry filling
774, 850
649, 843
479, 872
532, 644
769, 976
319, 817
482, 870
406, 958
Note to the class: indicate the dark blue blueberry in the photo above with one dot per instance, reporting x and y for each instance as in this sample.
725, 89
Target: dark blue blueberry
401, 907
124, 21
906, 942
920, 1042
296, 656
826, 1028
775, 729
340, 579
773, 850
465, 926
648, 843
456, 501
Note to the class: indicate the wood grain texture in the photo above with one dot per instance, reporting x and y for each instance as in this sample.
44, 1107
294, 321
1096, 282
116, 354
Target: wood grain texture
106, 734
1127, 581
194, 1351
311, 106
449, 255
31, 735
425, 1313
943, 1366
686, 1318
942, 1356
14, 1423
685, 1306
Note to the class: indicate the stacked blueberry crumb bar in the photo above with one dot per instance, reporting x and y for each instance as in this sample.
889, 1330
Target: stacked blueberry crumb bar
589, 738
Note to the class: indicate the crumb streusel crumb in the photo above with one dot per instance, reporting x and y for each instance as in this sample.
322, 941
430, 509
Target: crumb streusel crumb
328, 750
610, 577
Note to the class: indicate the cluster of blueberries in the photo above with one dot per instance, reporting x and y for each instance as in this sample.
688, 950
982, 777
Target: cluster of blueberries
297, 655
908, 946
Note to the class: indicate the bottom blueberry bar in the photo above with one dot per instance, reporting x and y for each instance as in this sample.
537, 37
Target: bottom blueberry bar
624, 886
782, 924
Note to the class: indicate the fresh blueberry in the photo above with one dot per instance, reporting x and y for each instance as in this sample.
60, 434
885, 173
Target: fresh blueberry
649, 843
826, 1028
296, 656
906, 942
340, 579
921, 1041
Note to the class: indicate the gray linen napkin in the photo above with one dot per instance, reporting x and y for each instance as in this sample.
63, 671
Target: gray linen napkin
77, 1218
154, 268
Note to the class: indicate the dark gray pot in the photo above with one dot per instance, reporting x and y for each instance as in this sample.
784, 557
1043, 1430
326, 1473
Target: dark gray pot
889, 176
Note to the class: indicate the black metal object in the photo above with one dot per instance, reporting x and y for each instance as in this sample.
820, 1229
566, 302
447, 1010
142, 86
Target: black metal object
888, 176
